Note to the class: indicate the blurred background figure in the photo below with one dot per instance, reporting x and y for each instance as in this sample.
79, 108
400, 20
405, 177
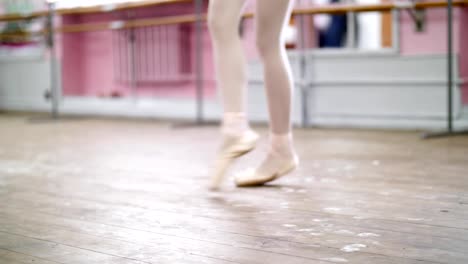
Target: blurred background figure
331, 29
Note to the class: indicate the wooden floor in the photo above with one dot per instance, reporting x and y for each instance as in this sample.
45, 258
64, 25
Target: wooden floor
121, 191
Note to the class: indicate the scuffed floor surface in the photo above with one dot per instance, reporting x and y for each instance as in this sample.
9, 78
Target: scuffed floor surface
121, 191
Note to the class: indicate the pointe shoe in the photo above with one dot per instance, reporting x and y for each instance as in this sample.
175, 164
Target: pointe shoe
252, 177
232, 148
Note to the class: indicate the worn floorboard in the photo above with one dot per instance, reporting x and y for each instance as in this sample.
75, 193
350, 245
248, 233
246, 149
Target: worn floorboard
127, 191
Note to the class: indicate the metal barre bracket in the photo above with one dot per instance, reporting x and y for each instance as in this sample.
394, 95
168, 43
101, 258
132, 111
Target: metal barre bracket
418, 15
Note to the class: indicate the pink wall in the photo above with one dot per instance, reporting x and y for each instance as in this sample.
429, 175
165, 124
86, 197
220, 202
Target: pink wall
89, 59
96, 63
434, 39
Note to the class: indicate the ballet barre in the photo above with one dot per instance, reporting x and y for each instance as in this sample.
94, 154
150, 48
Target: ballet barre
191, 18
25, 16
89, 10
116, 7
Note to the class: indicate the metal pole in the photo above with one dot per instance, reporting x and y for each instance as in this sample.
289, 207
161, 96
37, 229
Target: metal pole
198, 60
132, 53
55, 93
450, 131
302, 74
450, 64
396, 30
351, 32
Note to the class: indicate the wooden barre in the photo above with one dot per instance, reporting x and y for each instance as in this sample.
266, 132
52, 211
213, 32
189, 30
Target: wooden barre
21, 38
18, 39
383, 7
329, 9
17, 17
116, 7
170, 20
90, 10
191, 18
335, 9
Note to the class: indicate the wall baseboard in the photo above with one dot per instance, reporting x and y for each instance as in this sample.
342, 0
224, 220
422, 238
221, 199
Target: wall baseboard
165, 109
341, 94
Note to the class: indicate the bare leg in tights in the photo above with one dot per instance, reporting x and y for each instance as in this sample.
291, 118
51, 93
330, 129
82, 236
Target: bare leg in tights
271, 18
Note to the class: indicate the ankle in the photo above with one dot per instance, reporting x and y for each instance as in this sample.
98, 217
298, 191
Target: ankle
282, 144
234, 123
